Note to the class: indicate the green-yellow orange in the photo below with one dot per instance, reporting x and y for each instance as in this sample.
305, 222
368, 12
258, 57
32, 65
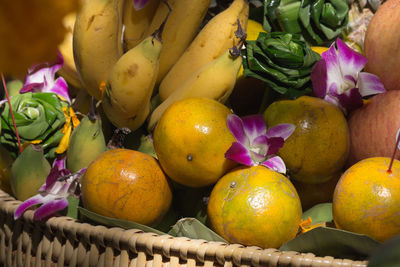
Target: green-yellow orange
318, 148
255, 206
367, 199
191, 139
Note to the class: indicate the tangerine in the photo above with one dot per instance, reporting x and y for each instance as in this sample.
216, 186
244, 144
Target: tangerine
366, 199
255, 206
320, 145
128, 185
191, 139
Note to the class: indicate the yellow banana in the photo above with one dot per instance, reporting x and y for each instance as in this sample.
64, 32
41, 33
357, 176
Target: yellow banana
97, 42
137, 22
214, 39
214, 80
126, 99
181, 28
68, 70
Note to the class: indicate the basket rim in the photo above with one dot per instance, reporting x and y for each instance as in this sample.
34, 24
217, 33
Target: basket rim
137, 241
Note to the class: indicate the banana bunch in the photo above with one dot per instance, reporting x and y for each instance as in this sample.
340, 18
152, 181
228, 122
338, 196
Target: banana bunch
124, 56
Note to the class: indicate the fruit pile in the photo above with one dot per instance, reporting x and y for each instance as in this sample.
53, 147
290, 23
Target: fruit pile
241, 114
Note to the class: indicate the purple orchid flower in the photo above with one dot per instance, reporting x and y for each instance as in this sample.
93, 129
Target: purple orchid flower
255, 144
41, 78
52, 197
337, 77
139, 4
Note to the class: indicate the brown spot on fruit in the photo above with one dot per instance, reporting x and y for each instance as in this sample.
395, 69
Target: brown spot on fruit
90, 22
132, 70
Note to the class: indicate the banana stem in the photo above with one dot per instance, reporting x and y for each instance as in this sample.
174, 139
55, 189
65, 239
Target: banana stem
157, 33
235, 51
12, 114
93, 113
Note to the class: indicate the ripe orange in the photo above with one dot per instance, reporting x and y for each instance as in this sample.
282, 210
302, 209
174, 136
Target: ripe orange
319, 147
255, 206
367, 199
126, 184
191, 139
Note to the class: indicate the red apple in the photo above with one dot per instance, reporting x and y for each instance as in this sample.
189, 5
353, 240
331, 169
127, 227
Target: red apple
382, 44
373, 127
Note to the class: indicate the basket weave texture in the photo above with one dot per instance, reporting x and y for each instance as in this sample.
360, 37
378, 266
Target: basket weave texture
63, 241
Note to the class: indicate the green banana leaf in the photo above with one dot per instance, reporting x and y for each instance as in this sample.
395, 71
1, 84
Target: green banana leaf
90, 216
320, 213
187, 227
193, 228
72, 209
38, 116
282, 60
327, 241
319, 21
387, 254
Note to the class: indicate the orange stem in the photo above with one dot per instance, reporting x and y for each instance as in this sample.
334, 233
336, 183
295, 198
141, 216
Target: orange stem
12, 114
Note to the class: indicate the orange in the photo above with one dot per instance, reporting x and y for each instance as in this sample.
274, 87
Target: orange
128, 185
255, 206
319, 146
367, 199
191, 139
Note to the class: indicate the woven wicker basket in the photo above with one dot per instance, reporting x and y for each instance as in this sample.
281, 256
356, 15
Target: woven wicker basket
63, 241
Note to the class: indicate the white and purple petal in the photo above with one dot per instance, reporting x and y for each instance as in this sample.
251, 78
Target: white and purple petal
32, 87
254, 125
61, 88
275, 163
351, 99
50, 180
50, 207
32, 201
235, 125
257, 157
334, 74
260, 145
369, 84
274, 144
332, 100
60, 162
283, 130
334, 89
319, 78
351, 62
57, 170
240, 154
41, 78
44, 73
